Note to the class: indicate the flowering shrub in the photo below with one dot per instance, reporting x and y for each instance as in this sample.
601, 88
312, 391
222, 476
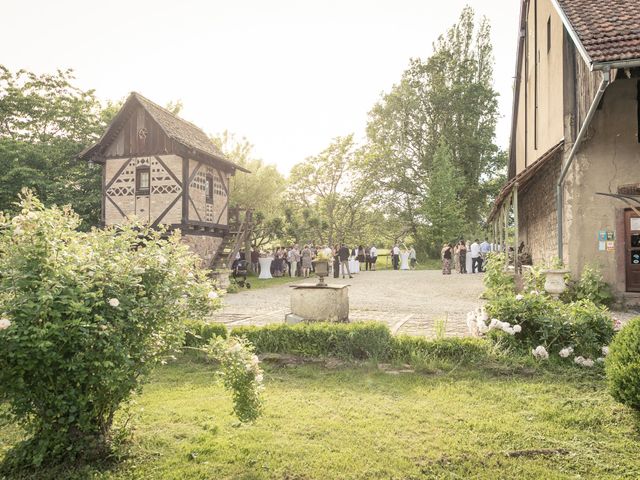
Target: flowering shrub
623, 365
85, 315
241, 373
561, 328
496, 279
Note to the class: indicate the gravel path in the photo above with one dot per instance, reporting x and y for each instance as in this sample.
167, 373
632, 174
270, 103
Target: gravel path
411, 302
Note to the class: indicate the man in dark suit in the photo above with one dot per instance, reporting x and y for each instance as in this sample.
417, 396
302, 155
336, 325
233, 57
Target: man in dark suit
343, 253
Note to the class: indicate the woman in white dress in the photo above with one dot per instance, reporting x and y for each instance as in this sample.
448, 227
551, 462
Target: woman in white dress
469, 257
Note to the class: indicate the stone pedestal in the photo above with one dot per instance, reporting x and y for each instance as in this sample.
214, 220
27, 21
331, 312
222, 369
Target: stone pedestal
320, 304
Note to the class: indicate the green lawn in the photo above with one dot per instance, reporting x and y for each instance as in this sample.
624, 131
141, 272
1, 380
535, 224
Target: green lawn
356, 422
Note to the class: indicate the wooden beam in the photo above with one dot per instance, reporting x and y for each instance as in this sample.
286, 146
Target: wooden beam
185, 189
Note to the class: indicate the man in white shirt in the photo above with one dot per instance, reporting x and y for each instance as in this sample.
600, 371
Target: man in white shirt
395, 257
373, 253
476, 259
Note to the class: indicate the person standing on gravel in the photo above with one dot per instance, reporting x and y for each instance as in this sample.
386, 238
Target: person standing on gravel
344, 260
373, 257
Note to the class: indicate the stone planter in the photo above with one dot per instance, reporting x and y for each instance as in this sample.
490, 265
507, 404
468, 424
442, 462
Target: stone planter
554, 283
321, 268
221, 277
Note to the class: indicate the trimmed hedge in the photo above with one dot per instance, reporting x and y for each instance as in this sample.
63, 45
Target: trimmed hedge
344, 340
405, 348
359, 341
623, 365
200, 333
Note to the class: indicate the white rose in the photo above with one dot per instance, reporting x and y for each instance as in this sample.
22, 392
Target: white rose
600, 360
114, 302
18, 230
565, 352
587, 362
162, 260
534, 292
4, 323
517, 328
579, 360
259, 378
540, 353
519, 297
605, 351
212, 294
31, 216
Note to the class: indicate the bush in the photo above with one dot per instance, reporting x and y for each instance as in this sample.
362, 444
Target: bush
83, 318
406, 348
199, 333
359, 341
496, 279
623, 365
551, 323
591, 286
366, 340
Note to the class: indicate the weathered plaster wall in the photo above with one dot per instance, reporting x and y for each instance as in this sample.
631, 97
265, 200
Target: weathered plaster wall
537, 214
607, 159
199, 209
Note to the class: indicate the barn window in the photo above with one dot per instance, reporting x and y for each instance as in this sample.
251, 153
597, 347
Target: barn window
209, 188
142, 181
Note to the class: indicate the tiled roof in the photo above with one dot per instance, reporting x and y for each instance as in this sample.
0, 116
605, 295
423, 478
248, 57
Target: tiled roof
608, 29
178, 129
183, 132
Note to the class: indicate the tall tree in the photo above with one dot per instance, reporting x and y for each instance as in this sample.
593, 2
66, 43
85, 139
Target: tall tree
45, 121
332, 186
448, 97
261, 190
443, 205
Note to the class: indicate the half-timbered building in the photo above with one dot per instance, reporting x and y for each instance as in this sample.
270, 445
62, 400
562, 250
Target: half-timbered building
574, 183
161, 169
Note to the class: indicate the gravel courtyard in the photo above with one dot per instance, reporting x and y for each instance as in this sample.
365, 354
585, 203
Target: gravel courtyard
411, 302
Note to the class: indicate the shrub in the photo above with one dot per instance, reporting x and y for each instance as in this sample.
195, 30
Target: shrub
365, 340
405, 348
533, 279
591, 286
497, 280
199, 333
241, 373
623, 365
85, 316
551, 323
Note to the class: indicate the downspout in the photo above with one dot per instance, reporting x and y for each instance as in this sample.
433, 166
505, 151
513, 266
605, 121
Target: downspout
606, 80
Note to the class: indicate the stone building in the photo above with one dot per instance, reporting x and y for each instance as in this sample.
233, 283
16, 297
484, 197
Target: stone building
164, 170
574, 182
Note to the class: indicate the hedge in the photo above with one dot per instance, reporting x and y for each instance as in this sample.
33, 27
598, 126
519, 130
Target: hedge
199, 333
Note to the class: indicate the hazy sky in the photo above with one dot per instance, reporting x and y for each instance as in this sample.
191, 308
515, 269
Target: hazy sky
288, 74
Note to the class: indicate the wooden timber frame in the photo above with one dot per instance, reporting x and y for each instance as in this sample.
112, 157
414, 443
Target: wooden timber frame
500, 223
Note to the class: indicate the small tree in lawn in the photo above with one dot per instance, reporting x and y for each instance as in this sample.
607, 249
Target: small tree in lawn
443, 204
83, 317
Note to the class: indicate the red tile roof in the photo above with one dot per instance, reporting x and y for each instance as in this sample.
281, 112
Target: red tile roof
608, 29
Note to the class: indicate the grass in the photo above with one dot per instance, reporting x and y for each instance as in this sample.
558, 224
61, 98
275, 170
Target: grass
357, 422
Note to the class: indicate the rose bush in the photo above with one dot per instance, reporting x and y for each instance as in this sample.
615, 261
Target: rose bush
85, 315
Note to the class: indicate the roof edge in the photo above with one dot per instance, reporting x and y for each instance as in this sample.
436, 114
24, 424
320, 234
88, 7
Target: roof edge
572, 33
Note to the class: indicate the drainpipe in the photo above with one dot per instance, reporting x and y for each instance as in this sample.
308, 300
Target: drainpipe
606, 80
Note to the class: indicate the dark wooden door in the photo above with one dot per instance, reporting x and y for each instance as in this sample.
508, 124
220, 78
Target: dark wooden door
632, 250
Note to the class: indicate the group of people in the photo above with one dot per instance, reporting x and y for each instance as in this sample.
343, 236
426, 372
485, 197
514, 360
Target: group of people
465, 257
298, 261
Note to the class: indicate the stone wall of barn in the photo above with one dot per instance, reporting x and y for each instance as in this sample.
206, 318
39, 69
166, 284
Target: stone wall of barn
537, 213
204, 246
607, 160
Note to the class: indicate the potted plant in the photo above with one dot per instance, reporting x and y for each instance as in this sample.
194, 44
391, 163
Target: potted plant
554, 283
321, 267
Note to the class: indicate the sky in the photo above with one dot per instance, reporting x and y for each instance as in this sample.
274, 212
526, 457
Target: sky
289, 75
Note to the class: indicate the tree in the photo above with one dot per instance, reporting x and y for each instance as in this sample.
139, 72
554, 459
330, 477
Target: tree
261, 190
448, 97
443, 204
331, 192
45, 121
